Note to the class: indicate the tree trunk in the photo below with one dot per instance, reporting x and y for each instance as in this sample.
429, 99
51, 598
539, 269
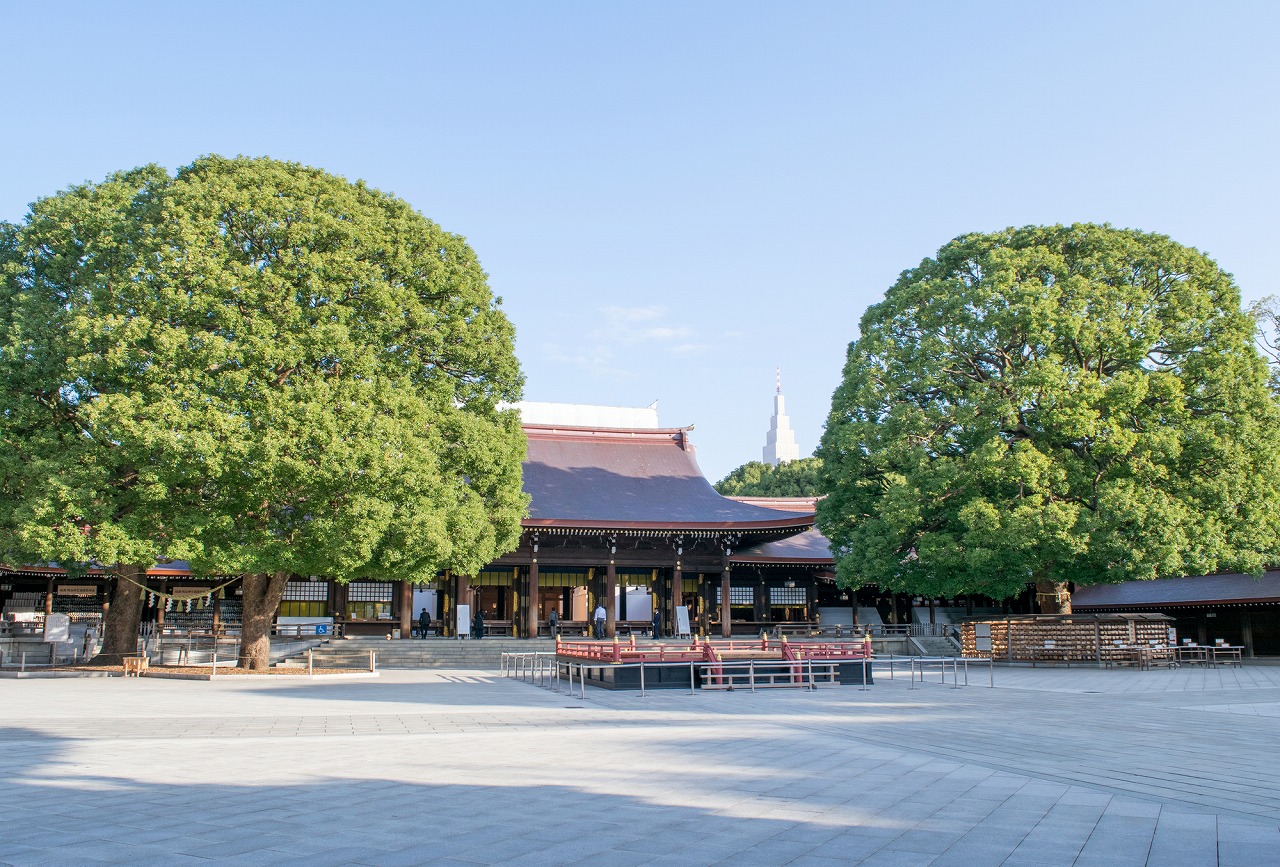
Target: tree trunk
124, 614
1053, 597
262, 594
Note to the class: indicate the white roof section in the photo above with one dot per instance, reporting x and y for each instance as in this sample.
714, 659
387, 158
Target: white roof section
587, 415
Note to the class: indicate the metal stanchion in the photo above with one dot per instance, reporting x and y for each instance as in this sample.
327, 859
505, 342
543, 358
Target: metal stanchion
642, 678
692, 681
751, 674
310, 662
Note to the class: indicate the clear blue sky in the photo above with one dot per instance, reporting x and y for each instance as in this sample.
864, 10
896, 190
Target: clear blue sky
674, 198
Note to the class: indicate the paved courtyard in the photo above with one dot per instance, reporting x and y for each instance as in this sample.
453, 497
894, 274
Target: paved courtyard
1051, 767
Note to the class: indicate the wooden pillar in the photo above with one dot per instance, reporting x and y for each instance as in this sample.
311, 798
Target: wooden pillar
48, 598
217, 614
677, 594
463, 598
760, 610
160, 605
611, 601
406, 608
531, 601
726, 624
1246, 632
622, 601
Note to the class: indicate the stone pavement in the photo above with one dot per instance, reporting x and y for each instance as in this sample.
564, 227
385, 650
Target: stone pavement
1053, 766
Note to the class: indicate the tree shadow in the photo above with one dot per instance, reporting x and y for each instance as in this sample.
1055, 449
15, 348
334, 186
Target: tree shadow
58, 810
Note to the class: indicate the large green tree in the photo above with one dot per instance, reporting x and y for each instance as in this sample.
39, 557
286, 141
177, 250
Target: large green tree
81, 484
797, 478
1059, 404
328, 367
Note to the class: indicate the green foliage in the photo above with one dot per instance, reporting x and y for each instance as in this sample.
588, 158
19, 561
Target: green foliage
1266, 313
258, 367
1063, 403
756, 479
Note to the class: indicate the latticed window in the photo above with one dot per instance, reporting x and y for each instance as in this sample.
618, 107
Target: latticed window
788, 596
739, 595
306, 591
370, 591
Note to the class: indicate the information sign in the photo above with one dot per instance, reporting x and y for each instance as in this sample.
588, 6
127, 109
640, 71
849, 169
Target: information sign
982, 637
682, 621
57, 627
464, 621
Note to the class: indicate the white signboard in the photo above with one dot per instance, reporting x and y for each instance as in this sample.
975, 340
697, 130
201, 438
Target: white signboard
57, 627
464, 621
682, 621
982, 637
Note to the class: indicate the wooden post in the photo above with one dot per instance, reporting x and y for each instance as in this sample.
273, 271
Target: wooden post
464, 598
726, 625
160, 605
531, 603
1246, 632
761, 609
677, 596
611, 601
406, 608
48, 598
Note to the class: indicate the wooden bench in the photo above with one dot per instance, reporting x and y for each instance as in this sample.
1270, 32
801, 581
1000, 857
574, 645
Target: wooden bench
134, 665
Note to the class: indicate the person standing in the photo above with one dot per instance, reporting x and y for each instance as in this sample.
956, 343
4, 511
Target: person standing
424, 623
657, 623
477, 626
600, 616
553, 622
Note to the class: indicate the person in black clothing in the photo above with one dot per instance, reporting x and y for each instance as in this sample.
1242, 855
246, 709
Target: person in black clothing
553, 622
477, 628
424, 623
657, 624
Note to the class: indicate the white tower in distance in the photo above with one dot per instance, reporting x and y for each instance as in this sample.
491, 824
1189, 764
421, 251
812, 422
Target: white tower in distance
780, 443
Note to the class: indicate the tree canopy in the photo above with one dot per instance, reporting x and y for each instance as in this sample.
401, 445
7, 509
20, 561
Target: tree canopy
297, 374
1058, 404
797, 478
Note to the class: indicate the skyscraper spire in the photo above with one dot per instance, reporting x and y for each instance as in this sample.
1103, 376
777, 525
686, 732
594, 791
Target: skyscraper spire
780, 443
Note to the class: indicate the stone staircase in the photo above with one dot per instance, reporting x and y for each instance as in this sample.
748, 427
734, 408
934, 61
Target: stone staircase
353, 653
935, 646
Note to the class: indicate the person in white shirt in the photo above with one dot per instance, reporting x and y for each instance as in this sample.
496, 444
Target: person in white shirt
600, 617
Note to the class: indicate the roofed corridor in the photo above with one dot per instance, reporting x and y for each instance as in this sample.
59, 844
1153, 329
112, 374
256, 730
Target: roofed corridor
1056, 766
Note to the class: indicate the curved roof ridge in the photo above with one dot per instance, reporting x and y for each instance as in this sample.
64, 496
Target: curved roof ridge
648, 478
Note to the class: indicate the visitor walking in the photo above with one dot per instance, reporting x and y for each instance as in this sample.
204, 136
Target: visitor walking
600, 616
553, 622
424, 623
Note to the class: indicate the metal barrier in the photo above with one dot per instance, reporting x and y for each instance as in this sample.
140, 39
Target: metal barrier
544, 669
768, 673
920, 664
530, 666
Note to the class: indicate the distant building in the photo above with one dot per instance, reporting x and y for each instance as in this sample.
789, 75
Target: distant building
780, 443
